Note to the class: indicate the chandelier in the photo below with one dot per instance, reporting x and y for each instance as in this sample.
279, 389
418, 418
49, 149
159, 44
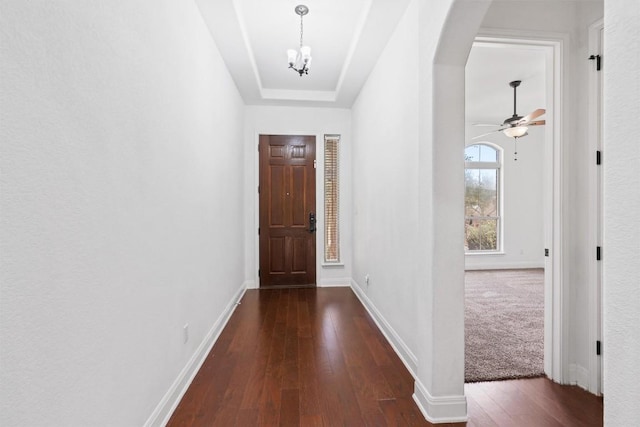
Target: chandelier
299, 61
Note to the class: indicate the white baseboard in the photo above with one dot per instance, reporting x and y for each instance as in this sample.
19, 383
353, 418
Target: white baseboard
404, 353
334, 283
579, 376
441, 409
160, 416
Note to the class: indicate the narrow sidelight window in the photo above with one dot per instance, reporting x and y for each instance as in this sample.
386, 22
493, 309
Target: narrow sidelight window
331, 199
482, 201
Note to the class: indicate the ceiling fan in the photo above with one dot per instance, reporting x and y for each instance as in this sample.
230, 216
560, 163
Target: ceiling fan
515, 126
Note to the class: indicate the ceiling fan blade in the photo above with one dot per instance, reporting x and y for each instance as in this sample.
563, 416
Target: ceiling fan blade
526, 119
536, 123
488, 133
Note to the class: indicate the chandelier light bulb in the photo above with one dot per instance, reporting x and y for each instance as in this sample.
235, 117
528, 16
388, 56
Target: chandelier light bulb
292, 55
305, 52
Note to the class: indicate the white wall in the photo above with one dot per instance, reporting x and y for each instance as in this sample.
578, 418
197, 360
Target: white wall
571, 19
121, 163
621, 162
446, 36
385, 185
267, 120
407, 166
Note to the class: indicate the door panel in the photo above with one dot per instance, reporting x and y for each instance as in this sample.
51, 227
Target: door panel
277, 248
287, 199
299, 256
277, 196
298, 211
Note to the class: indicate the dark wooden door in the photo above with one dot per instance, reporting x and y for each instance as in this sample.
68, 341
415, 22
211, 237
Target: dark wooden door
287, 210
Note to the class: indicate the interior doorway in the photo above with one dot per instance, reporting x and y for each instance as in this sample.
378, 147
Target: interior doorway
287, 216
512, 253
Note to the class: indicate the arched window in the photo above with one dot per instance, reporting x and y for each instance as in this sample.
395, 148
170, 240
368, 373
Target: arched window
482, 201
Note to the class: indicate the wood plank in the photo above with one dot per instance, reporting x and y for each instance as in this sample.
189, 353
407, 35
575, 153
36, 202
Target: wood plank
290, 361
290, 408
478, 417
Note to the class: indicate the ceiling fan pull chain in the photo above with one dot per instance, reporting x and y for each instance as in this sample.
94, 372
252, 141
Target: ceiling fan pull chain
515, 149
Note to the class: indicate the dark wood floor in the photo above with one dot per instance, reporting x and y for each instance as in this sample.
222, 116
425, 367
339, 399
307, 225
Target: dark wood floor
531, 403
314, 357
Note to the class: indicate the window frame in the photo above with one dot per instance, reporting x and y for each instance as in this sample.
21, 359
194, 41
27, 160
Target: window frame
498, 165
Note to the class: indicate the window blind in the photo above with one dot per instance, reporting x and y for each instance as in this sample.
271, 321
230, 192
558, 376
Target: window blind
331, 199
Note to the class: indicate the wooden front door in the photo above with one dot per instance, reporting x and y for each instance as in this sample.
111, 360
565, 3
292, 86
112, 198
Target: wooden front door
287, 210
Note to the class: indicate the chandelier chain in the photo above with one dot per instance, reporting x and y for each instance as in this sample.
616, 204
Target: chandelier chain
301, 30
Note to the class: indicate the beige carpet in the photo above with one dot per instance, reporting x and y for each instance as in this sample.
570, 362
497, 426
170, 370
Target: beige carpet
504, 324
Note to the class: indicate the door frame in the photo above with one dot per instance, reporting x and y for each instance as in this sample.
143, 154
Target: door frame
256, 200
556, 307
595, 381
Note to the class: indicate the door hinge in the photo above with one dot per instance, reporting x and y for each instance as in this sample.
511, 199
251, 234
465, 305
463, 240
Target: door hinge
598, 253
258, 231
598, 60
258, 272
546, 252
315, 164
598, 348
598, 157
258, 189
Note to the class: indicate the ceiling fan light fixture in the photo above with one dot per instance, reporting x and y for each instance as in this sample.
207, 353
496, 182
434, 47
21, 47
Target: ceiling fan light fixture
515, 131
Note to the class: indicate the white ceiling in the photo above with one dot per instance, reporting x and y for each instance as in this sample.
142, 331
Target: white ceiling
346, 38
490, 68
